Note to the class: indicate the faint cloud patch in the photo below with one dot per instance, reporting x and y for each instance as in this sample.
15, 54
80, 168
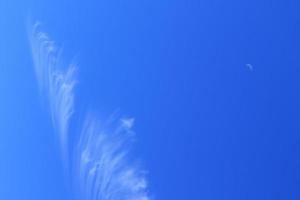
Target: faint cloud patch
56, 82
99, 161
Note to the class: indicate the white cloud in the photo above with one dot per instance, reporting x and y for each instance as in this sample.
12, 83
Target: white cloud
102, 163
56, 82
100, 167
127, 122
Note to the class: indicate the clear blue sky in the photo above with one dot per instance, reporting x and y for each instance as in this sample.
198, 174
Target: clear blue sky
207, 126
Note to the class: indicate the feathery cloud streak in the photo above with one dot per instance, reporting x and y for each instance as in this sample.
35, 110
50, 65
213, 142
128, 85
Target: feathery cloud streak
100, 164
102, 161
56, 82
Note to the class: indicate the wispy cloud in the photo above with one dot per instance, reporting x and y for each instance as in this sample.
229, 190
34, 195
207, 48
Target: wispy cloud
100, 164
56, 82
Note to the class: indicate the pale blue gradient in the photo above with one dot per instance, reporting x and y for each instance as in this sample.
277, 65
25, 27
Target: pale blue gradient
207, 125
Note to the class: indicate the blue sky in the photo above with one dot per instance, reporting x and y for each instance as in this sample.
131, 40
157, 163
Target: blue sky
206, 126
